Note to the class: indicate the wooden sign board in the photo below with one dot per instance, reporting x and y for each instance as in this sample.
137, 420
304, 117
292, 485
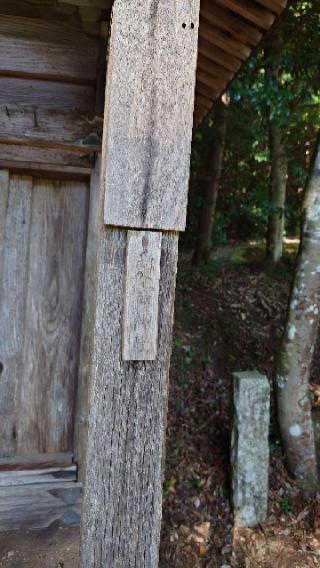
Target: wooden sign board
140, 324
149, 108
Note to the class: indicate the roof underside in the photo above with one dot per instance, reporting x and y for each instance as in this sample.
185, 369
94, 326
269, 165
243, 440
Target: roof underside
229, 32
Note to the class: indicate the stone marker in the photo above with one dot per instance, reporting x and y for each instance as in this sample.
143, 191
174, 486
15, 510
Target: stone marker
250, 448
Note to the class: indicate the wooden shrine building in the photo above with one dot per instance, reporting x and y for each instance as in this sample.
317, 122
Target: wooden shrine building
89, 246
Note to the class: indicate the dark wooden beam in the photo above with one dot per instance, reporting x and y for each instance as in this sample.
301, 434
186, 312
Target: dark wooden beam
210, 81
276, 6
223, 41
221, 73
203, 89
204, 102
219, 56
225, 20
49, 128
44, 158
250, 11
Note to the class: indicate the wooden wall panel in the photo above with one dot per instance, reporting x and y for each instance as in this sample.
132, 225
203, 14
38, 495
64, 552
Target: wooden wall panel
13, 286
43, 234
53, 317
4, 194
47, 49
46, 94
49, 127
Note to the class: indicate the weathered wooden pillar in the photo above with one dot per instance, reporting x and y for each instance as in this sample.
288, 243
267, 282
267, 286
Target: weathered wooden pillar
143, 198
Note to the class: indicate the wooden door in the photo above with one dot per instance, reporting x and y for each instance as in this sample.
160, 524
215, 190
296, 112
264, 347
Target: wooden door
43, 228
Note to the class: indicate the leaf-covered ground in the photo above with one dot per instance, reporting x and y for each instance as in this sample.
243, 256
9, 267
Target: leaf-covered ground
229, 317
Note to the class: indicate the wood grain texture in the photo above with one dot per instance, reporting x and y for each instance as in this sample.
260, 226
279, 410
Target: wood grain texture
141, 299
38, 506
276, 6
37, 476
213, 69
44, 157
225, 20
209, 92
48, 49
219, 56
36, 461
121, 513
223, 41
4, 194
44, 421
250, 11
53, 171
210, 81
16, 226
49, 127
87, 330
149, 107
46, 94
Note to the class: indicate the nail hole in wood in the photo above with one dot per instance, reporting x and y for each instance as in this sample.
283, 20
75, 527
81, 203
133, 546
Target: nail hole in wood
1, 367
192, 25
184, 25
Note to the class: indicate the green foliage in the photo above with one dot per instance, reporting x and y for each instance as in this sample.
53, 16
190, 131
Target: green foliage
224, 492
285, 506
293, 102
196, 483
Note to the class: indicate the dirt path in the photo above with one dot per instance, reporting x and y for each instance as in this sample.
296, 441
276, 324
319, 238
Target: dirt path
51, 548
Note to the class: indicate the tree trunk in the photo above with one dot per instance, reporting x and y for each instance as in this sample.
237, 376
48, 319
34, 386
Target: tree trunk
293, 369
211, 187
278, 158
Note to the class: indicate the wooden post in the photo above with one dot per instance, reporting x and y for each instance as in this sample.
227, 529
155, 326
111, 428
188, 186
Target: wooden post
87, 328
144, 182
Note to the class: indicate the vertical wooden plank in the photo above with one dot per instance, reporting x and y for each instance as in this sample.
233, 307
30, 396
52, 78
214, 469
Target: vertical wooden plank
13, 282
149, 108
140, 320
121, 512
87, 329
53, 317
4, 194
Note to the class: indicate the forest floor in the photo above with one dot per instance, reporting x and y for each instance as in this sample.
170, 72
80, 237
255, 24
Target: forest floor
229, 317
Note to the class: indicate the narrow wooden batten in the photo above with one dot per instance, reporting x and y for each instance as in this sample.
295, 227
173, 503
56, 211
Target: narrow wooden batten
141, 301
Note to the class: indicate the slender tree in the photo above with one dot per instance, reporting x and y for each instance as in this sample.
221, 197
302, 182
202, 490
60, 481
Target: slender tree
293, 368
211, 184
278, 158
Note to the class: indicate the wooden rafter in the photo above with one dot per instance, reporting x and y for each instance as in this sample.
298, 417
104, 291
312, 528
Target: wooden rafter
228, 22
251, 11
229, 31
